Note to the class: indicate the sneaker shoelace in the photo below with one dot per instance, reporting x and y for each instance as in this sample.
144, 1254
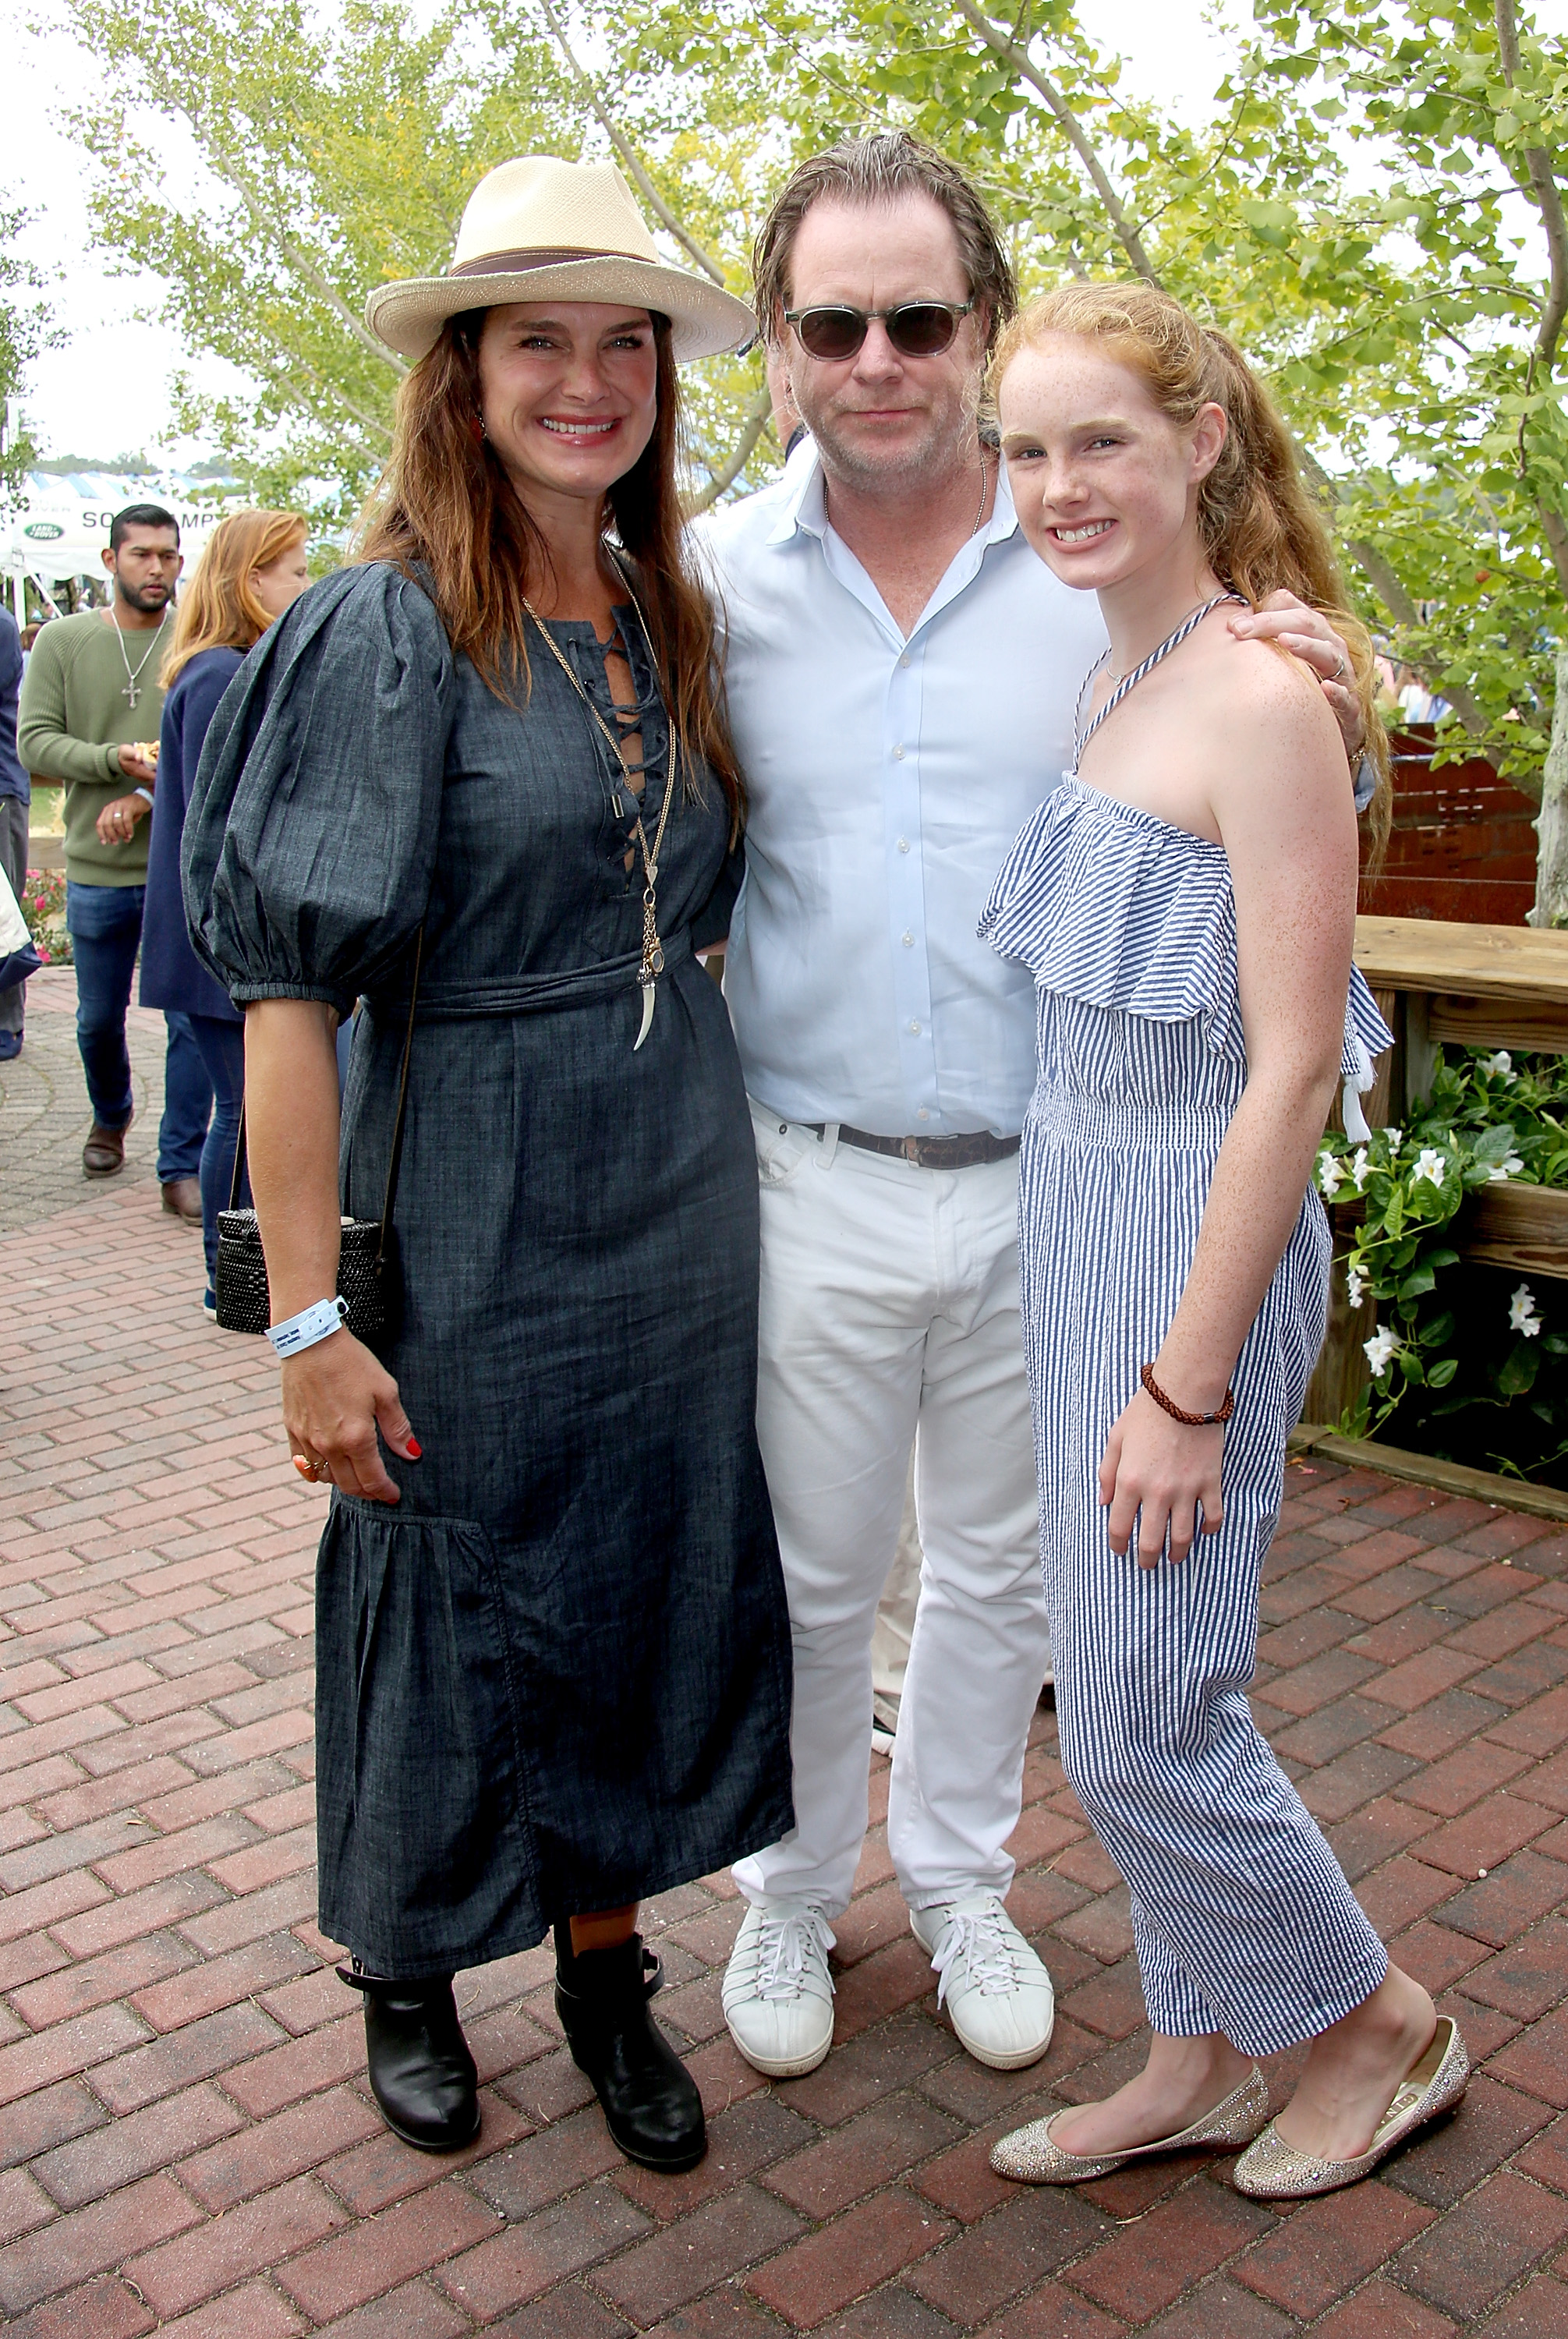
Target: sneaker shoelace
979, 1937
785, 1948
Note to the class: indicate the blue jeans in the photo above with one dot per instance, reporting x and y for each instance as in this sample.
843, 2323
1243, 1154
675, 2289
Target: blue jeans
187, 1099
222, 1046
105, 922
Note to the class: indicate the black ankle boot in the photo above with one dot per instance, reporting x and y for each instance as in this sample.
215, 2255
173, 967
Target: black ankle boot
421, 2073
651, 2104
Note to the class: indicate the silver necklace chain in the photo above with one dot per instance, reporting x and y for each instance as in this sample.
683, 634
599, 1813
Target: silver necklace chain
130, 693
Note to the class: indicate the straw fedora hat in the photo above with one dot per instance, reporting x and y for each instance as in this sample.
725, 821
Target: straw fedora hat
540, 228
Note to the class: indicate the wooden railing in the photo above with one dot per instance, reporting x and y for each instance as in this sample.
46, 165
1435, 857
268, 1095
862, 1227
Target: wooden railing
1483, 987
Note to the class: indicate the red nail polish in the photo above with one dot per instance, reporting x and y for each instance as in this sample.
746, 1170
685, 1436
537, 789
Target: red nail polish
413, 1449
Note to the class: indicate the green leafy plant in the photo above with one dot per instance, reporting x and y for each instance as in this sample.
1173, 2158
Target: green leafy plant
1488, 1120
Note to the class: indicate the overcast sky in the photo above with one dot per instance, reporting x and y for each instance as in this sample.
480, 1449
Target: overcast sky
106, 391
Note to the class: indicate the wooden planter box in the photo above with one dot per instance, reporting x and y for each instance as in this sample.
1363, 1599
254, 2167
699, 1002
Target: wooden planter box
1523, 1226
1484, 986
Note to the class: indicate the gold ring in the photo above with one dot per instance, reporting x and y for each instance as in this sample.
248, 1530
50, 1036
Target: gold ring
311, 1470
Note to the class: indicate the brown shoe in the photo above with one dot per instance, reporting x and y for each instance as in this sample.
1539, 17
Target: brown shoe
104, 1151
182, 1200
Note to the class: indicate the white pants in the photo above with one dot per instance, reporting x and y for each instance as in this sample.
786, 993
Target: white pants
890, 1312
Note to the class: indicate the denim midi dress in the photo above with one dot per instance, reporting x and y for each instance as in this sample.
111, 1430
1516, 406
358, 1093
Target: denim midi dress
556, 1676
1242, 1917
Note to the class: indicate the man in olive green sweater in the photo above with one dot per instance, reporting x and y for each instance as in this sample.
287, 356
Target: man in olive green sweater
91, 702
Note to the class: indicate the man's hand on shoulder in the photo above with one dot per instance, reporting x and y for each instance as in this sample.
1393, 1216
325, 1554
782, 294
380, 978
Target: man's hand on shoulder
117, 821
1308, 635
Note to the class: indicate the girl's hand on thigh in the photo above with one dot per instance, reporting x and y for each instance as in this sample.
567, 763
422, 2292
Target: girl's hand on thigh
335, 1396
1160, 1474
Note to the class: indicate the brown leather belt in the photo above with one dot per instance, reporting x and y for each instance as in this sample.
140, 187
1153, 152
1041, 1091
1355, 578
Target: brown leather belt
928, 1152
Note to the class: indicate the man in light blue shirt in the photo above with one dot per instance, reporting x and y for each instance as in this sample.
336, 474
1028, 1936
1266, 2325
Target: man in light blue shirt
902, 675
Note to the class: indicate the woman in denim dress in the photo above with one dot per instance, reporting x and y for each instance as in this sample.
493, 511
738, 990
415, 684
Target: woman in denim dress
553, 1655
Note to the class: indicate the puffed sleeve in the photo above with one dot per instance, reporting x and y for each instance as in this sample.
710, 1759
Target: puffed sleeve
310, 839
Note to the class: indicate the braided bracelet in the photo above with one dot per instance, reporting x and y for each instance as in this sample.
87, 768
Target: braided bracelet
1192, 1420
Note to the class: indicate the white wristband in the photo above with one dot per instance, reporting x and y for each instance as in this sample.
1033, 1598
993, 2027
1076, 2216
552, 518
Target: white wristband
310, 1325
144, 792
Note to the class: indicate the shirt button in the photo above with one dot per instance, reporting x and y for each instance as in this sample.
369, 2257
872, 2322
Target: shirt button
904, 844
909, 942
914, 1027
922, 1114
897, 755
904, 660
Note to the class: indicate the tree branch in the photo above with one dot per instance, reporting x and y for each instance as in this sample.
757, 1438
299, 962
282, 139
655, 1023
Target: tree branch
757, 413
1548, 200
629, 154
1385, 581
1027, 70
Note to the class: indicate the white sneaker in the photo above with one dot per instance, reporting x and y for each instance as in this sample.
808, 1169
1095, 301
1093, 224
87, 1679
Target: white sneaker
778, 1992
996, 1991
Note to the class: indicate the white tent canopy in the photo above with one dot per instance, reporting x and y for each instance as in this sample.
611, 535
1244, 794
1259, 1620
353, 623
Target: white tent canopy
59, 527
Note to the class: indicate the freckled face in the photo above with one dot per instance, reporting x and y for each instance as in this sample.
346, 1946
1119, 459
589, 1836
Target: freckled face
1103, 481
569, 393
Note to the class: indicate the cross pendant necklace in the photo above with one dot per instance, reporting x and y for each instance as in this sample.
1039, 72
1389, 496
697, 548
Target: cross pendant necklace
129, 691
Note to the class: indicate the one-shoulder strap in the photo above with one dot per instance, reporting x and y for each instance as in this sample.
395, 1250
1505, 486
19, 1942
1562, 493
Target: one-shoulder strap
1188, 625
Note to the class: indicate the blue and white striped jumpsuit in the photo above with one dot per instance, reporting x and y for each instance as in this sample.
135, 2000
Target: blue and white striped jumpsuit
1243, 1919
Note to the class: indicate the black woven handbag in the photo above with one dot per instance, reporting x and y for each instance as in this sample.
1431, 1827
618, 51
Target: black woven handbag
368, 1248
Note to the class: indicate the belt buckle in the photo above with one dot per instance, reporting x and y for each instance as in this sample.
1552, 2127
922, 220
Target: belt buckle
913, 1152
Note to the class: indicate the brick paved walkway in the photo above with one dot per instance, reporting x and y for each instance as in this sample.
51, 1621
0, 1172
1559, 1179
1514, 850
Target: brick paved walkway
186, 2139
44, 1115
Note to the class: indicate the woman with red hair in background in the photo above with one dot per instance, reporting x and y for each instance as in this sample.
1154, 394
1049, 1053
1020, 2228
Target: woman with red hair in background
252, 569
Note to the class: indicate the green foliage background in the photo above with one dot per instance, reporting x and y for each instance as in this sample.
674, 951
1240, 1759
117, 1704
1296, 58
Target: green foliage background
1372, 210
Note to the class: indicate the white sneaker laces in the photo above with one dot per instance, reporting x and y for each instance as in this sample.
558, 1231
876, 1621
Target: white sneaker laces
979, 1937
784, 1946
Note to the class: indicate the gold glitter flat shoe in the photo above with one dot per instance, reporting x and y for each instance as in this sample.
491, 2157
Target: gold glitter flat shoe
1273, 2170
1030, 2156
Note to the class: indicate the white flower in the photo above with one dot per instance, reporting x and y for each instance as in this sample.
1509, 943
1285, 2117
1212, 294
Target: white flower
1499, 1066
1381, 1350
1430, 1164
1330, 1174
1395, 1139
1501, 1171
1521, 1315
1358, 1168
1356, 1285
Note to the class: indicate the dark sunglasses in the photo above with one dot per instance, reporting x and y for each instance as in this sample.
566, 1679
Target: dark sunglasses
917, 329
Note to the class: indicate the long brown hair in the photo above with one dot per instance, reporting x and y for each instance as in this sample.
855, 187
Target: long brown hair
445, 512
217, 609
1259, 526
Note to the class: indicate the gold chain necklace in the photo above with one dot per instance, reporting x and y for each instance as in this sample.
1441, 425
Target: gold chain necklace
653, 961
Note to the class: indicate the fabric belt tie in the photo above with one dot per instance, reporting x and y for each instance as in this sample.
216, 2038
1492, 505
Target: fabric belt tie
532, 994
927, 1152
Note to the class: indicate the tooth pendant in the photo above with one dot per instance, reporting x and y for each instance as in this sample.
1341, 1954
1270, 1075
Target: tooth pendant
649, 990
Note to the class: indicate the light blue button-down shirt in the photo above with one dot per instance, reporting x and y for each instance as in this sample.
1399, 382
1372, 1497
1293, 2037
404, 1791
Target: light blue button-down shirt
888, 779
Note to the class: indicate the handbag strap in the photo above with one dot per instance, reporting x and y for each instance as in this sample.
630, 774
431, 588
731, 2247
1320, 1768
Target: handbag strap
389, 1196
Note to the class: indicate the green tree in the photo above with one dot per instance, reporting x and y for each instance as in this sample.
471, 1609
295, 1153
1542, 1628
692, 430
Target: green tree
24, 330
336, 154
1373, 210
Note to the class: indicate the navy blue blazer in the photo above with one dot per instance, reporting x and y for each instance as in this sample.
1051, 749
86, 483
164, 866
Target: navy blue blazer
171, 974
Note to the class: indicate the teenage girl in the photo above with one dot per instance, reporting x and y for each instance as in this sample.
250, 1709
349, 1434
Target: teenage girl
1185, 900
